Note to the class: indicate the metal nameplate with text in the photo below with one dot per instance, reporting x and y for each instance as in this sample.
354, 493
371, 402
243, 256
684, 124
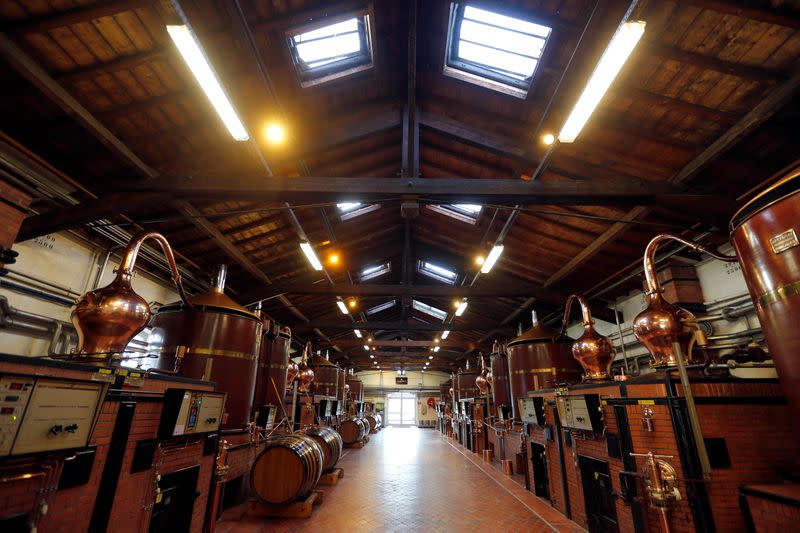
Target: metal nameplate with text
784, 241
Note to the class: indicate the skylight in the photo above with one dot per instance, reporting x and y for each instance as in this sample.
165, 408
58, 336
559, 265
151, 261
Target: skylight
429, 309
437, 272
464, 212
494, 50
348, 210
374, 271
325, 53
381, 307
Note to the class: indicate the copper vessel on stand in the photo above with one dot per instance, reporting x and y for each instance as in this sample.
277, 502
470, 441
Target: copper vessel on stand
500, 393
539, 358
481, 381
593, 351
445, 391
661, 323
766, 235
291, 372
465, 383
273, 360
326, 377
305, 375
356, 387
215, 339
106, 319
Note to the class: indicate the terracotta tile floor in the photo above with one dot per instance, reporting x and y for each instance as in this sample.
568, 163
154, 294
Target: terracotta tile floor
409, 479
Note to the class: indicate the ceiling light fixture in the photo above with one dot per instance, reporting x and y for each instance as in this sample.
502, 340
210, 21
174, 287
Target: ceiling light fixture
436, 349
310, 255
445, 333
461, 307
275, 133
494, 255
357, 332
371, 356
479, 260
616, 54
366, 348
342, 307
426, 363
197, 62
548, 139
430, 357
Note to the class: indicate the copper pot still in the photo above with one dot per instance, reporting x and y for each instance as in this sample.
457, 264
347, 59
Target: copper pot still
499, 372
593, 351
766, 236
106, 319
465, 383
305, 374
540, 358
273, 360
661, 324
356, 388
481, 381
326, 376
216, 340
291, 372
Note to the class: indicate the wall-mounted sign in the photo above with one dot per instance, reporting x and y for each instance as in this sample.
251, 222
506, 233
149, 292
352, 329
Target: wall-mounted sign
401, 380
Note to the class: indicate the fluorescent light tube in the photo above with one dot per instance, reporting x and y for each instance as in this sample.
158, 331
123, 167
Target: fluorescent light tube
436, 349
342, 306
461, 308
196, 61
310, 255
616, 54
492, 258
430, 357
445, 333
366, 347
357, 332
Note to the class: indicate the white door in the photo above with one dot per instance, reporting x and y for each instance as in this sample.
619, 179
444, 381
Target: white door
401, 409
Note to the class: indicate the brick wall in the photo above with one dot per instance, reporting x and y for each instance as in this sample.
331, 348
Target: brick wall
70, 510
771, 516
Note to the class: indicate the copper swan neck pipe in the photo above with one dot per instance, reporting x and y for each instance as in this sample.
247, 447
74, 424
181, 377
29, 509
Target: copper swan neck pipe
653, 286
128, 262
585, 312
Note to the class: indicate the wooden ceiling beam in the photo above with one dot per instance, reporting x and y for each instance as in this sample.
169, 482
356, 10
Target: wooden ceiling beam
26, 66
485, 290
708, 62
405, 343
781, 17
399, 326
76, 15
747, 124
643, 96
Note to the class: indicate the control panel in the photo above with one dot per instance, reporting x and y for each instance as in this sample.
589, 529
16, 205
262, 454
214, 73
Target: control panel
46, 414
532, 410
188, 412
580, 412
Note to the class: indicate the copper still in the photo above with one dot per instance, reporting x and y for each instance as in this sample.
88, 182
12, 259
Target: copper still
356, 388
765, 233
273, 359
215, 339
291, 372
465, 383
540, 358
482, 381
661, 323
593, 351
106, 319
326, 377
305, 375
500, 392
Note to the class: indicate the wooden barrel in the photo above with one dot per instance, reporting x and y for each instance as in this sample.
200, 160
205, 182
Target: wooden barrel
374, 422
331, 444
365, 422
288, 469
352, 430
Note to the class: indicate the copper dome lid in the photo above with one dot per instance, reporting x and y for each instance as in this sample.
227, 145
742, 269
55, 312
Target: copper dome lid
536, 333
215, 298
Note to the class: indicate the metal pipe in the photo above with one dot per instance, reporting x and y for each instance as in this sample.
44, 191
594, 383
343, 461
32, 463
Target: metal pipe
622, 344
691, 408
